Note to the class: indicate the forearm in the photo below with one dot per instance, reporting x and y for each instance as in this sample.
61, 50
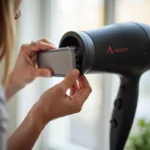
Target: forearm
26, 134
11, 88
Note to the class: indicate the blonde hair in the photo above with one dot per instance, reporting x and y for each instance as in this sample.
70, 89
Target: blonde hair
7, 33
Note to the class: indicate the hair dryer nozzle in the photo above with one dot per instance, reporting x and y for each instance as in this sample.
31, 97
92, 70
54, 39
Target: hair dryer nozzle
83, 47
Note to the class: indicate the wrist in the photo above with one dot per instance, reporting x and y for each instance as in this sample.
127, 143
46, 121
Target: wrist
13, 81
12, 87
36, 117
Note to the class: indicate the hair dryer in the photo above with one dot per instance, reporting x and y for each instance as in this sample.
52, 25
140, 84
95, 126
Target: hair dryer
123, 49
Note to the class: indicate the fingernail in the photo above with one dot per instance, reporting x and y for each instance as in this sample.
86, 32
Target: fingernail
75, 72
49, 74
52, 46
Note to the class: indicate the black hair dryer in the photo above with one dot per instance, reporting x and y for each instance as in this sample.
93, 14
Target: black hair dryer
123, 49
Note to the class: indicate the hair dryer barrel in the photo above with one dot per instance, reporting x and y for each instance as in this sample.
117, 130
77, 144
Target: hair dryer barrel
119, 48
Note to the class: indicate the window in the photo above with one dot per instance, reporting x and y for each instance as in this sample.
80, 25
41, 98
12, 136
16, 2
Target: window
88, 130
80, 131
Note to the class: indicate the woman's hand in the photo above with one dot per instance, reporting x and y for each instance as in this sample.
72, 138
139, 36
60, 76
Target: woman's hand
26, 69
55, 103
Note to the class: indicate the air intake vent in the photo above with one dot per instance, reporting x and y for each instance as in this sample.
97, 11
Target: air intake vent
72, 43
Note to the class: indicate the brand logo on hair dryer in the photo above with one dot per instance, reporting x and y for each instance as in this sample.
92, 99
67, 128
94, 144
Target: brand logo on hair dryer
117, 50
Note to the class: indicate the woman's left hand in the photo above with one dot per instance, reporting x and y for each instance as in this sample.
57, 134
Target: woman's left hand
26, 70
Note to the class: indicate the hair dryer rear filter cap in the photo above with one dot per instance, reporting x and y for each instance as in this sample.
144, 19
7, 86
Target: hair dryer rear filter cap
85, 50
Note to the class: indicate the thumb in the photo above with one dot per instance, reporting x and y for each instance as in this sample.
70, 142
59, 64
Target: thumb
40, 72
70, 80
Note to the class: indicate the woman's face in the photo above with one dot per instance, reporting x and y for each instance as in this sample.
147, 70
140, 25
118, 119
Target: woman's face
18, 13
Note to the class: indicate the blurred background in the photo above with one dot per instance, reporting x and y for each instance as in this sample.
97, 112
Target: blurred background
88, 130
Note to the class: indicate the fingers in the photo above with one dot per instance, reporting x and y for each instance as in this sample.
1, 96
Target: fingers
42, 72
85, 87
42, 44
37, 46
83, 82
85, 90
69, 80
74, 88
46, 41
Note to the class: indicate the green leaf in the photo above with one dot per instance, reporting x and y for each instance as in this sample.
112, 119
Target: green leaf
141, 140
141, 123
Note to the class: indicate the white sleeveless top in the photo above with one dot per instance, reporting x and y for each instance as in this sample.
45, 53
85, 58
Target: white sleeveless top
3, 120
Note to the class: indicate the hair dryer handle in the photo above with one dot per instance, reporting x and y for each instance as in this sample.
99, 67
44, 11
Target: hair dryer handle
124, 112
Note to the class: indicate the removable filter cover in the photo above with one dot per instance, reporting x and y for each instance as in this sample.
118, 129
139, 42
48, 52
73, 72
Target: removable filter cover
61, 61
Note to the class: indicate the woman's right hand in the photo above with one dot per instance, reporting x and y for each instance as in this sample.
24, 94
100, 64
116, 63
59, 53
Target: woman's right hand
55, 103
